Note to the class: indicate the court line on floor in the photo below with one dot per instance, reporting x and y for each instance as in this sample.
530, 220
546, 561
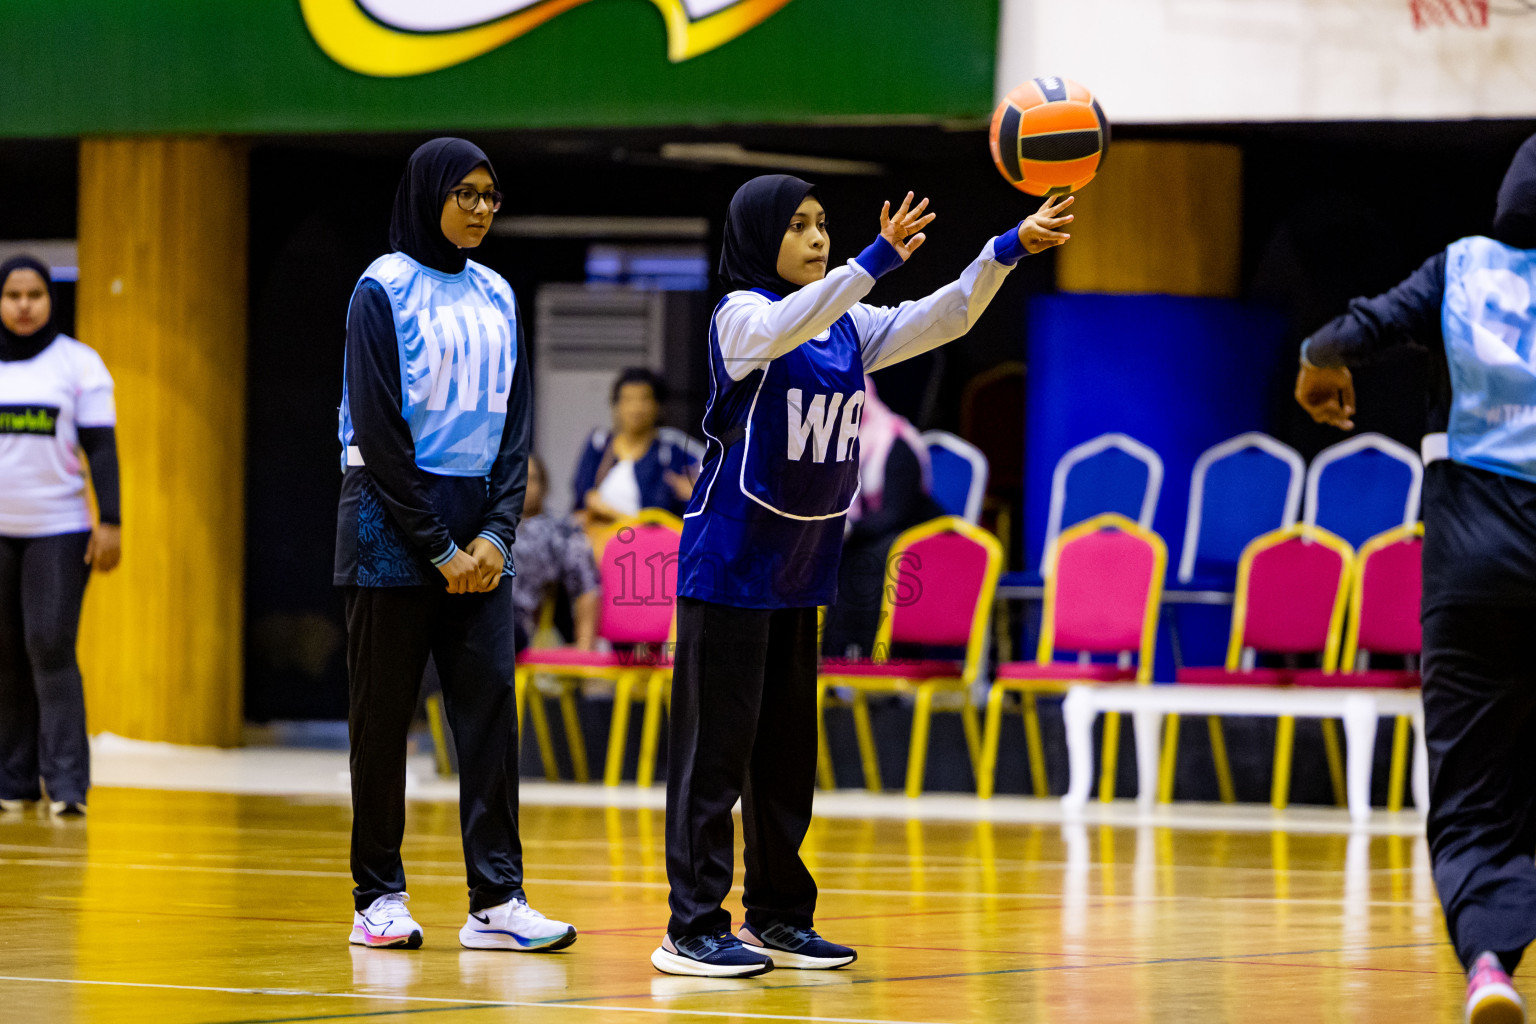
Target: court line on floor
823, 860
837, 805
591, 883
359, 1015
474, 1003
1055, 968
970, 868
1341, 967
650, 931
591, 1002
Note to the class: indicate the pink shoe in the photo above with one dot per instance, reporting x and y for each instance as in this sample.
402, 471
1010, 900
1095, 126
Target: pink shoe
1491, 997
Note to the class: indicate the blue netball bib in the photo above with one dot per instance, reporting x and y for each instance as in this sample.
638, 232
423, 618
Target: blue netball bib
798, 422
802, 443
1490, 338
458, 351
765, 526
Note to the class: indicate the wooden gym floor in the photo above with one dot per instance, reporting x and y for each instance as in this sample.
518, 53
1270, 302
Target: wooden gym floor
207, 908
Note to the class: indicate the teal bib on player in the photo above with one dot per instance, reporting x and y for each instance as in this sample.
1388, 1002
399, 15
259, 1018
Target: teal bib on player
458, 352
1489, 324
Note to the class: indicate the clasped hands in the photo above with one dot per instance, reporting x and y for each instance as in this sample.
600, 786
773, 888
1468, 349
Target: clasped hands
475, 569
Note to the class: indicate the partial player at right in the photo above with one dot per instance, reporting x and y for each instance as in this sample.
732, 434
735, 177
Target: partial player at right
1472, 307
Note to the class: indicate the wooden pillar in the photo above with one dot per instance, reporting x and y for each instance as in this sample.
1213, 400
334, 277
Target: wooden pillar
162, 297
1162, 217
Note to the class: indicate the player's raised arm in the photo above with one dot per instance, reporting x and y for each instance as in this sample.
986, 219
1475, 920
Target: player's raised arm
891, 334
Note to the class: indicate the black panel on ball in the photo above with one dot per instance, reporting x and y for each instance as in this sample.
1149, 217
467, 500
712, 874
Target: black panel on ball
1008, 142
1098, 112
1060, 145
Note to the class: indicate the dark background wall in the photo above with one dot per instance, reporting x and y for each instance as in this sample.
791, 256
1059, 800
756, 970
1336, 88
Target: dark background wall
1331, 211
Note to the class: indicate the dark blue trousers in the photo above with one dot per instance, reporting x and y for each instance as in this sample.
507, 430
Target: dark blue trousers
390, 633
1480, 725
743, 726
42, 702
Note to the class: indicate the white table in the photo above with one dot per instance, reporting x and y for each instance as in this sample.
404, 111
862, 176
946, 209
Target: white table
1359, 708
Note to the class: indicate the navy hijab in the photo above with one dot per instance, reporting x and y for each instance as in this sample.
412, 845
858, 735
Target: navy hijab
754, 232
1514, 222
416, 226
15, 347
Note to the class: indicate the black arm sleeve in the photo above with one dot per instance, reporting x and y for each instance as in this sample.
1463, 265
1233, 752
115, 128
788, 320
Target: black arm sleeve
1409, 315
379, 430
509, 473
903, 501
100, 447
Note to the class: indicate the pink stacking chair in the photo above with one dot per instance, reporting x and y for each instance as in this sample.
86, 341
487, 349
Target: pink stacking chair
1388, 582
1292, 591
941, 578
638, 567
1102, 594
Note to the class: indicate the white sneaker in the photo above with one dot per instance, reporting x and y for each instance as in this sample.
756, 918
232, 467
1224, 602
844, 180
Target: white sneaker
386, 923
67, 809
15, 806
514, 925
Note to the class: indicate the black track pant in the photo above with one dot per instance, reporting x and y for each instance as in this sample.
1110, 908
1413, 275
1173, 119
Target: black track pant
42, 703
1480, 725
743, 725
390, 633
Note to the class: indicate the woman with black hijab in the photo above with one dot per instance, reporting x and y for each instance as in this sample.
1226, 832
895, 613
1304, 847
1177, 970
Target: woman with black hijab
55, 402
788, 350
435, 416
1472, 306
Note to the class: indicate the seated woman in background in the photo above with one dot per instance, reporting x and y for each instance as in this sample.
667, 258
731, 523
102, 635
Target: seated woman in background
894, 483
636, 464
552, 553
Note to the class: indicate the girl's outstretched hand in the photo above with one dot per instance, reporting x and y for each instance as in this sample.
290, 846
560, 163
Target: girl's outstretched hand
904, 230
1040, 229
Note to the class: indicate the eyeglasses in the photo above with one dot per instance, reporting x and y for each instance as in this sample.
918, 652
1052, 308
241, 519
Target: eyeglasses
469, 200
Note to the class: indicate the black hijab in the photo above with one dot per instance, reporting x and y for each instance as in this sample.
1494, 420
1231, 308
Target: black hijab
16, 347
754, 232
416, 228
1514, 222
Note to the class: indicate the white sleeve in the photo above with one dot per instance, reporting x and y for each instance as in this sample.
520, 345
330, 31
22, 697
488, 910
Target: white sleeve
888, 334
754, 330
94, 404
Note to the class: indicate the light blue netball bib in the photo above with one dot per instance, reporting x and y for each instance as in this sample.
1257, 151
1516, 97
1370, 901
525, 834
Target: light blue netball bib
1489, 323
458, 353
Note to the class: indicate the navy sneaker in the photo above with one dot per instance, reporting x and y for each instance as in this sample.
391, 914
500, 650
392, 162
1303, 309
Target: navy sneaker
799, 948
709, 956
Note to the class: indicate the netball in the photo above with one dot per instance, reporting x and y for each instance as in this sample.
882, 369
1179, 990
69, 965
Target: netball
1049, 136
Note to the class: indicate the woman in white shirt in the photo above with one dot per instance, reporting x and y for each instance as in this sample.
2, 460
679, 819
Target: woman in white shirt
55, 403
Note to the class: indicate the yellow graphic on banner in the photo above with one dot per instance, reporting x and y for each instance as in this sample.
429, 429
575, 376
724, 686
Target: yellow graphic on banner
395, 38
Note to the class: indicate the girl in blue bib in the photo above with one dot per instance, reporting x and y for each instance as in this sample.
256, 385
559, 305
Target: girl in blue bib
435, 417
1472, 306
788, 350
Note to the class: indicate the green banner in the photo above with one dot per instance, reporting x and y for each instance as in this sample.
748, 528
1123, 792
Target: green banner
95, 67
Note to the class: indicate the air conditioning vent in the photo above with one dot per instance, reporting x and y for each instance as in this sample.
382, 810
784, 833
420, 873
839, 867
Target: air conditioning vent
595, 328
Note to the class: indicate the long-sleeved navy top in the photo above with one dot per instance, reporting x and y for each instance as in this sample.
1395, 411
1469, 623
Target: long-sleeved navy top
1407, 315
1479, 527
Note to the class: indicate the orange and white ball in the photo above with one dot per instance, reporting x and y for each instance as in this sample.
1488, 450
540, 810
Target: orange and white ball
1049, 136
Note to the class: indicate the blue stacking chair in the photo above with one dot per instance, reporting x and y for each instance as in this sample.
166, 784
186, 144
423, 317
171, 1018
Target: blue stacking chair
1242, 488
959, 474
1109, 473
1363, 486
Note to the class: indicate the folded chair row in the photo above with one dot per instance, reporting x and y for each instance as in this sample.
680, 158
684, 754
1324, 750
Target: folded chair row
1297, 589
